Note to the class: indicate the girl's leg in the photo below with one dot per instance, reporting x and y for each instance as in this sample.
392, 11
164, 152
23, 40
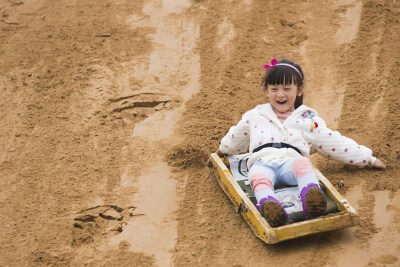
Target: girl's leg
313, 200
304, 172
262, 178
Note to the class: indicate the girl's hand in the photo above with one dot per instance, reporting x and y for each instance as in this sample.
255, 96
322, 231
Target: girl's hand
208, 163
219, 153
379, 164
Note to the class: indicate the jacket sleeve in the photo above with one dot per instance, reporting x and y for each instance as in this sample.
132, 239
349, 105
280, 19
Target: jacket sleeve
237, 139
334, 145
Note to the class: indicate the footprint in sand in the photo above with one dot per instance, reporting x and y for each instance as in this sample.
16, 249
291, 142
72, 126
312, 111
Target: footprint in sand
99, 221
135, 108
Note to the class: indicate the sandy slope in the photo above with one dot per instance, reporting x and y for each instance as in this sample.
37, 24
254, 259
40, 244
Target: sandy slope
110, 108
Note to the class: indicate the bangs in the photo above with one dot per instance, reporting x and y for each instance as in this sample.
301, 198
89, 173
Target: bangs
281, 75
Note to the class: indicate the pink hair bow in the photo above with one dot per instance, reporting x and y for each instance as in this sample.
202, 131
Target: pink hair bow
273, 63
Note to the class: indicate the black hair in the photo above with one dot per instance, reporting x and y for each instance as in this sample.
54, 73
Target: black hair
284, 75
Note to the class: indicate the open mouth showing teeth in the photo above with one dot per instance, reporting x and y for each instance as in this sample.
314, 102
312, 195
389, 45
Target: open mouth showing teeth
281, 102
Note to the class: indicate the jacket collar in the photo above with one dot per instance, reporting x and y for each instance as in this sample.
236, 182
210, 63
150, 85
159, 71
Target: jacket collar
267, 111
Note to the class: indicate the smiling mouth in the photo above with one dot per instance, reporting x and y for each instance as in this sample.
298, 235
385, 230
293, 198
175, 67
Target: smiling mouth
281, 102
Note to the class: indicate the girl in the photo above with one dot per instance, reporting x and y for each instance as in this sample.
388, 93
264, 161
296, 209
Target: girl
281, 134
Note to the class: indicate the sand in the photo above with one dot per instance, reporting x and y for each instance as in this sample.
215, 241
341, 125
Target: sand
111, 108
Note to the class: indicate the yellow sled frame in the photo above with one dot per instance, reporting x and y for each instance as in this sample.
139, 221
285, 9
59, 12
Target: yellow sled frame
346, 217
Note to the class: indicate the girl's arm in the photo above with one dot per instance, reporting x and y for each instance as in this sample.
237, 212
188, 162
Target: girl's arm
334, 145
237, 139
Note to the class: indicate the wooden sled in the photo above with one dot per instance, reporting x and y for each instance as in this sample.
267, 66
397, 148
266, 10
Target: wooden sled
344, 215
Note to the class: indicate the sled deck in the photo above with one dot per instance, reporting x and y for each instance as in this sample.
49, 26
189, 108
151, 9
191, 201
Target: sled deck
233, 180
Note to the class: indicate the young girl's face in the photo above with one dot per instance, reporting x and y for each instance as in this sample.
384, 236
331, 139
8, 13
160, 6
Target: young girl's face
283, 96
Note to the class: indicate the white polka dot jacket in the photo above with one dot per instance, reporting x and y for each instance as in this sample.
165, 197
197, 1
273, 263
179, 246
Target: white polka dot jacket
260, 126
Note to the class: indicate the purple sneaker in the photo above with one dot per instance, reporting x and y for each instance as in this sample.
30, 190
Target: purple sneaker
272, 210
314, 202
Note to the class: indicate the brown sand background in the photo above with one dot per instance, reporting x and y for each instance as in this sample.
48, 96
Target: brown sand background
109, 110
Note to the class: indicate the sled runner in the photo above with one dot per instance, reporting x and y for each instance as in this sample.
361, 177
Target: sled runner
232, 177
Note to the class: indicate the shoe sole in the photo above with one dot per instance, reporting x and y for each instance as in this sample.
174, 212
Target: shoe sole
274, 214
315, 202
